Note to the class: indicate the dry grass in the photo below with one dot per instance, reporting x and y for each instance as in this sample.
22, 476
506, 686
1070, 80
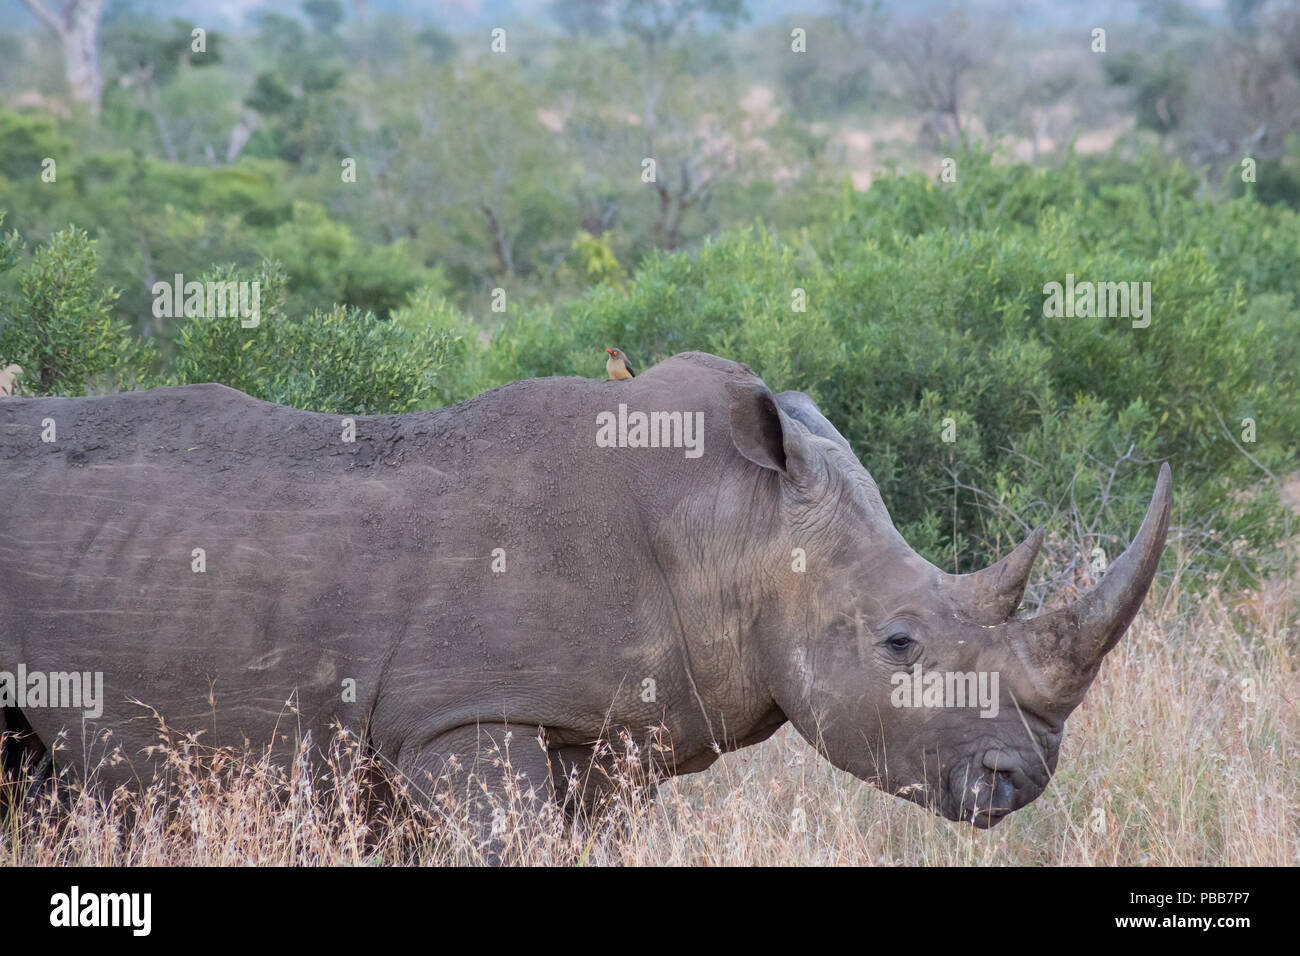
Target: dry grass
1184, 753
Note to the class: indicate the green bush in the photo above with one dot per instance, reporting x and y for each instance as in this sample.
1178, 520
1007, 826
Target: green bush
339, 360
325, 263
59, 327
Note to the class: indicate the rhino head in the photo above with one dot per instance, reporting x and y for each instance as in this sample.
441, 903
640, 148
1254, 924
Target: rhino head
924, 683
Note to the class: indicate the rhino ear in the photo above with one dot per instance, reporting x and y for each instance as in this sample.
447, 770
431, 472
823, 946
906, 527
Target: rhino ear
804, 410
762, 432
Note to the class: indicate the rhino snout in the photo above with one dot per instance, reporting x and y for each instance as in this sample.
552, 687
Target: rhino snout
989, 788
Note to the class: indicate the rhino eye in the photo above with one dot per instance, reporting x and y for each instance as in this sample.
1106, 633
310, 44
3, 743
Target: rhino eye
898, 642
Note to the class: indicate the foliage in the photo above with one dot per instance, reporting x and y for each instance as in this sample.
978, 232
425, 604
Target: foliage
325, 263
596, 261
339, 360
60, 328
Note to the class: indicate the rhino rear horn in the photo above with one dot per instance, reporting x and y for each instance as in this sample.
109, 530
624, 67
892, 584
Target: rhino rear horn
1062, 649
991, 595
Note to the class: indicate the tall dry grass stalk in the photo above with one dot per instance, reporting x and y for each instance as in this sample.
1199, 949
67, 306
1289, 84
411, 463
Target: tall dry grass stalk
1184, 753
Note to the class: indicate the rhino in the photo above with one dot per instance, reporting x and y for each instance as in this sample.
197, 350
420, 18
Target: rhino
554, 563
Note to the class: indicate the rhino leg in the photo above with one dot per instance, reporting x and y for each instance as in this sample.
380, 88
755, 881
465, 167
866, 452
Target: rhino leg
500, 773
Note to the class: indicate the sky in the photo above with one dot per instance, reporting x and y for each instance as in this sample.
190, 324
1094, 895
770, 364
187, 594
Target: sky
458, 15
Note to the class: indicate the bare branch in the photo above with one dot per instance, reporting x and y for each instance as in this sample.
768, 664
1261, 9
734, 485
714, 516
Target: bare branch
43, 14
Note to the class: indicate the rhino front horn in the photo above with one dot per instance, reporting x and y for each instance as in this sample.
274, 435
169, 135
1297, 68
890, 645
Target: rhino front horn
1107, 610
1063, 649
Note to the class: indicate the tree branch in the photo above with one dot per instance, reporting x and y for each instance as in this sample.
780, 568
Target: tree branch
45, 16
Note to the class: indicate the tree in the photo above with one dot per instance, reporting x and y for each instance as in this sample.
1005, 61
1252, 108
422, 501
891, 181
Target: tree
325, 15
1248, 103
582, 16
838, 76
298, 100
77, 27
1033, 100
145, 57
691, 151
934, 58
462, 165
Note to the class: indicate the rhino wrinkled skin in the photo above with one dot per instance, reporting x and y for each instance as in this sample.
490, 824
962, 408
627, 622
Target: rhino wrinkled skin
634, 588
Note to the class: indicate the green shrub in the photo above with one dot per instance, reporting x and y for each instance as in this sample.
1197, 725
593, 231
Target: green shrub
338, 360
59, 327
326, 263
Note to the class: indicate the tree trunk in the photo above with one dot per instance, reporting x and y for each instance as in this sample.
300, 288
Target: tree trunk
505, 266
77, 27
240, 135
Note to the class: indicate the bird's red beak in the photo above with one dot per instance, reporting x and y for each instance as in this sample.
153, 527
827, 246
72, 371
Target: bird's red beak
610, 351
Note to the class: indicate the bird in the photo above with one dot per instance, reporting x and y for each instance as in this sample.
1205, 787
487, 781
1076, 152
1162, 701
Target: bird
617, 365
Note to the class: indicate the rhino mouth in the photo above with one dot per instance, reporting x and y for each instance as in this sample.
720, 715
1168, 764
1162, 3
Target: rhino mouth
983, 799
988, 819
987, 815
986, 798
